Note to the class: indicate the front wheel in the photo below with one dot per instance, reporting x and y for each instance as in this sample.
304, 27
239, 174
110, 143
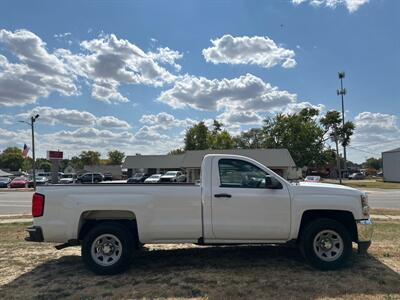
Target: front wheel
107, 249
326, 244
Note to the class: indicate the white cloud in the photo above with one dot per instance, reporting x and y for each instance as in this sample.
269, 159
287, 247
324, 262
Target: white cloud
72, 117
256, 50
37, 74
351, 5
166, 121
62, 35
107, 91
376, 132
109, 62
293, 108
231, 117
112, 122
167, 56
14, 138
246, 92
105, 63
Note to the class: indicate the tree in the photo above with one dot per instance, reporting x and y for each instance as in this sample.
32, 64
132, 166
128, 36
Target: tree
251, 139
221, 140
332, 123
64, 163
218, 138
199, 137
11, 158
176, 151
299, 133
89, 158
373, 163
196, 137
43, 164
115, 157
76, 163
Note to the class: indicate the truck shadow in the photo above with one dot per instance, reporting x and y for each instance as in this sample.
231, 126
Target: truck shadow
213, 272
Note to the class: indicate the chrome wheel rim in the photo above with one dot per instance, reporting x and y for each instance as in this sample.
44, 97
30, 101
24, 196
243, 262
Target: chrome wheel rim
106, 250
328, 245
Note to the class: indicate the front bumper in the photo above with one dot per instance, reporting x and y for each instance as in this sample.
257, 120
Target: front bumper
35, 234
365, 230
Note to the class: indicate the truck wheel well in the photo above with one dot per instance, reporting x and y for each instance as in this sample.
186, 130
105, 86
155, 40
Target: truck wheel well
344, 217
90, 219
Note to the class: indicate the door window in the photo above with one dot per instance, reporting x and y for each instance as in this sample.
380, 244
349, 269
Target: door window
239, 173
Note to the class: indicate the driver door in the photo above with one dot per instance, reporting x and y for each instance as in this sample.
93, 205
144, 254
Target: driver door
243, 208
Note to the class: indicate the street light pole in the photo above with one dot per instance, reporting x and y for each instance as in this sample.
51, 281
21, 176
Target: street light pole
342, 92
33, 153
32, 124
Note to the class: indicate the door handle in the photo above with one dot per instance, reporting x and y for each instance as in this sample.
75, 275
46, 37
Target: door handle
223, 195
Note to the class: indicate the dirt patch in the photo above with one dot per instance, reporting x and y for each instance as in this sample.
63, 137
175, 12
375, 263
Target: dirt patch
38, 271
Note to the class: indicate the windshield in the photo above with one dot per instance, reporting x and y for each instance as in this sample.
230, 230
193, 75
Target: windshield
4, 179
19, 178
171, 173
155, 176
138, 175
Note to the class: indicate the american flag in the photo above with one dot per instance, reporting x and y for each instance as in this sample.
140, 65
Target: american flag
25, 150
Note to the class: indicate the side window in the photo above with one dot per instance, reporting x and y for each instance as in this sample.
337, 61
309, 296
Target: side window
239, 173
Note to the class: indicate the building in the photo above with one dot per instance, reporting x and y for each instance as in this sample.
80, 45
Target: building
391, 165
279, 160
115, 170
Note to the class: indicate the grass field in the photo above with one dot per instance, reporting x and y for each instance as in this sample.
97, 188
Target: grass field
385, 211
372, 184
38, 271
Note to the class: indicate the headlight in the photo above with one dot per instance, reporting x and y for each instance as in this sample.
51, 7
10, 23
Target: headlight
364, 205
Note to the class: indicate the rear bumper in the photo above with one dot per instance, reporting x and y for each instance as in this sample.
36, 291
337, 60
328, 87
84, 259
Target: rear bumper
35, 234
365, 230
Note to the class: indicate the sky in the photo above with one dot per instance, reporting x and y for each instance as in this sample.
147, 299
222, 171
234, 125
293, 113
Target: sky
133, 75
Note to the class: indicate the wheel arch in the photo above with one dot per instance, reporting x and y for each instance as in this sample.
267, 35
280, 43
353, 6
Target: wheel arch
346, 218
91, 218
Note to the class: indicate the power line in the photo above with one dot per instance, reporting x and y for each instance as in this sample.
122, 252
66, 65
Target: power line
358, 149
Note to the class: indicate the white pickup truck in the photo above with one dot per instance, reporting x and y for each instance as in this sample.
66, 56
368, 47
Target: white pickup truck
239, 201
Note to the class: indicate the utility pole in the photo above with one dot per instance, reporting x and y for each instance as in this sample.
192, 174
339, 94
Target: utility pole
335, 136
342, 92
32, 124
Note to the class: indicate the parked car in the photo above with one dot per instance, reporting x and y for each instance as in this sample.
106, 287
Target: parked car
19, 182
239, 201
312, 179
40, 180
171, 176
153, 178
356, 176
138, 178
4, 182
90, 178
108, 177
67, 178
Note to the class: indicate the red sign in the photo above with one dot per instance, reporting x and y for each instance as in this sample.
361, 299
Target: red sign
54, 154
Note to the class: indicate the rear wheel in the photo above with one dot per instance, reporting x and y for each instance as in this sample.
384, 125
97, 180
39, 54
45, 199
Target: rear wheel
107, 248
326, 244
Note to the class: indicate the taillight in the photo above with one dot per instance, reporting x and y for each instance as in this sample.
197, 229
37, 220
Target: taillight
37, 205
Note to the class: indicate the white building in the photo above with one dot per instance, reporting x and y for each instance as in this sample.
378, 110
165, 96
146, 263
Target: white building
391, 165
279, 160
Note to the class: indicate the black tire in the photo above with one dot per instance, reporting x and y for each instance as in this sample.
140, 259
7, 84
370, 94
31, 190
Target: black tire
127, 248
310, 248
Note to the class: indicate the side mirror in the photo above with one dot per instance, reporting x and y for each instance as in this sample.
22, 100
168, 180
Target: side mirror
272, 183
